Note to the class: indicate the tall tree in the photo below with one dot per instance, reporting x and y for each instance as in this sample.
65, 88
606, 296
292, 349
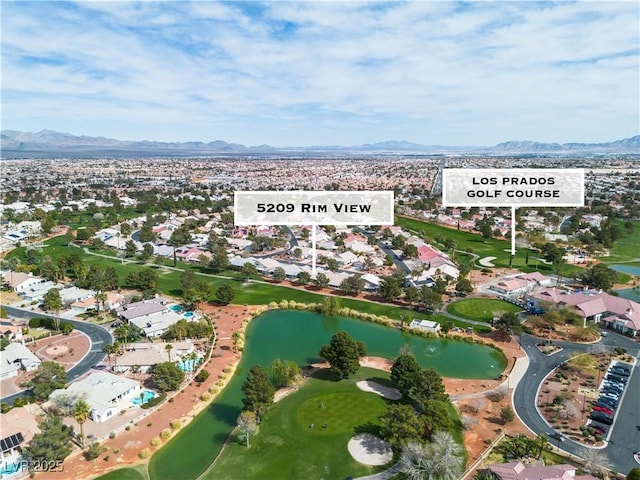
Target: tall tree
258, 392
343, 354
428, 385
180, 236
225, 294
167, 376
51, 444
404, 372
81, 412
168, 347
400, 423
248, 425
48, 377
390, 288
321, 280
52, 302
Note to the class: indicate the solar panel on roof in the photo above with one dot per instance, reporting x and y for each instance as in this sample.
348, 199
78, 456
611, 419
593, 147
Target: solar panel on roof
11, 441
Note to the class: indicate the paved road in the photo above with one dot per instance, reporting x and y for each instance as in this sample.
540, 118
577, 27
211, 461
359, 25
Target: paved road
98, 337
624, 437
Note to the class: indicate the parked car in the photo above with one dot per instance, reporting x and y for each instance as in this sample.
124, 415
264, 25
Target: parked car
608, 401
617, 378
620, 371
610, 389
602, 404
598, 408
599, 428
613, 383
601, 417
612, 396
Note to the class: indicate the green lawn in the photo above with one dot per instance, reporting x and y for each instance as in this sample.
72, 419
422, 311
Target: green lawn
626, 248
250, 293
287, 446
123, 474
480, 309
501, 249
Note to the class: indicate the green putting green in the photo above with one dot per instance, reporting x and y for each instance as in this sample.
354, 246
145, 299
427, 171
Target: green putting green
481, 309
335, 413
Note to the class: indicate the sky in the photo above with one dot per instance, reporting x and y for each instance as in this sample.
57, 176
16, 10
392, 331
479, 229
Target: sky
323, 73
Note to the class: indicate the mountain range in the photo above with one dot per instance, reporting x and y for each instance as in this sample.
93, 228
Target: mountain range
49, 143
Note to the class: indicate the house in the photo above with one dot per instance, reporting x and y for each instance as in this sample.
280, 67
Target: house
371, 282
155, 324
105, 393
20, 282
16, 357
517, 471
12, 329
18, 426
617, 313
425, 325
36, 292
146, 355
142, 309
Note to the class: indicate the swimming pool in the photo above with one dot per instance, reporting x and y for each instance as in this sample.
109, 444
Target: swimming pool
144, 397
188, 314
188, 364
176, 308
11, 468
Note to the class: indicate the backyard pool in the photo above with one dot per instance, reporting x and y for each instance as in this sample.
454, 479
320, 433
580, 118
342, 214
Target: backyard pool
188, 314
176, 308
144, 397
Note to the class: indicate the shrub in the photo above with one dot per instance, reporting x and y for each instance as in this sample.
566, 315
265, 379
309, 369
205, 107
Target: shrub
175, 424
155, 442
154, 401
112, 435
106, 458
116, 450
127, 428
202, 375
144, 453
165, 434
205, 397
93, 451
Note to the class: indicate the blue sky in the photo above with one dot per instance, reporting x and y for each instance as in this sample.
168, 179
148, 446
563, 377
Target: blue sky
323, 73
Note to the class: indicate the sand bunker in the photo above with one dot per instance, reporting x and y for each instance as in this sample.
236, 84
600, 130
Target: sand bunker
386, 392
369, 449
486, 261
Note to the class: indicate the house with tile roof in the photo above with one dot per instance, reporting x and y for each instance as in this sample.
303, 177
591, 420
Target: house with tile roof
617, 313
518, 471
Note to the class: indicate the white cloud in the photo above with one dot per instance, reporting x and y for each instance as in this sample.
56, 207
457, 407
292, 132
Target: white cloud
330, 72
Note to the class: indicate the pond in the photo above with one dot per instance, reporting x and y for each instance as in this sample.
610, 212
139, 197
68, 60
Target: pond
298, 335
630, 269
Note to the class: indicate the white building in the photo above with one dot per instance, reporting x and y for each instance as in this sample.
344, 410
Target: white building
16, 357
426, 325
105, 393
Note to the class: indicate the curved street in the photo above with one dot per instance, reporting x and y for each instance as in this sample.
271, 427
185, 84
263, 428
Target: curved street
98, 338
624, 436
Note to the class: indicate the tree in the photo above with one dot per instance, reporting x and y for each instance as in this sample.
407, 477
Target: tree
321, 280
410, 251
225, 294
330, 305
81, 412
507, 414
343, 354
219, 259
111, 279
180, 236
248, 425
48, 377
111, 349
284, 373
412, 294
304, 278
168, 347
404, 371
428, 385
249, 270
400, 423
390, 288
258, 392
508, 324
52, 444
352, 285
440, 460
52, 301
634, 474
600, 277
279, 274
430, 299
130, 248
188, 279
596, 462
167, 376
463, 285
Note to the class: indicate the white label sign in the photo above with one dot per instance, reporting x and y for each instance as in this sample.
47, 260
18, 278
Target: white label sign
531, 187
302, 207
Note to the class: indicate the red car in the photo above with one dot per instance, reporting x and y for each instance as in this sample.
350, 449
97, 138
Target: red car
603, 409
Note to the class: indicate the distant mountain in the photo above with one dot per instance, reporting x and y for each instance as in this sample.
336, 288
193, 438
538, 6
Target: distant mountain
49, 143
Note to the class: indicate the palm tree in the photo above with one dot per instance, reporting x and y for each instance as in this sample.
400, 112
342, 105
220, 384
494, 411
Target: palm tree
81, 412
101, 299
110, 349
168, 348
542, 442
440, 459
